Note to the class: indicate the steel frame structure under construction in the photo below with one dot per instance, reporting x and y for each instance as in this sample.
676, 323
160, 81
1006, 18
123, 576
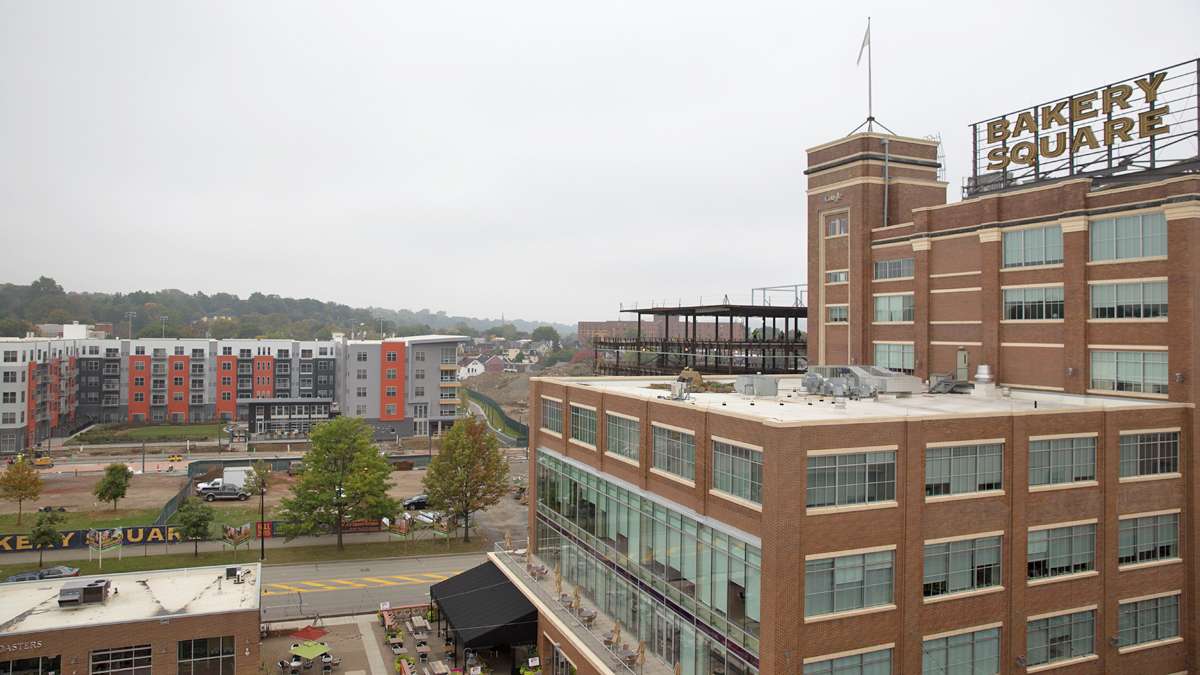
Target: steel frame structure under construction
775, 345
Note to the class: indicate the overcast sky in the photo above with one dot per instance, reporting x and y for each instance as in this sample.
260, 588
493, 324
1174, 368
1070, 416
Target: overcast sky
548, 160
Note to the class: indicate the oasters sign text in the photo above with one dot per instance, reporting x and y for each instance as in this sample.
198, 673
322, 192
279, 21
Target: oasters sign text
1102, 118
138, 534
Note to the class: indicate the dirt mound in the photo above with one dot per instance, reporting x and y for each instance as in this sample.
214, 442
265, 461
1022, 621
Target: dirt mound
511, 390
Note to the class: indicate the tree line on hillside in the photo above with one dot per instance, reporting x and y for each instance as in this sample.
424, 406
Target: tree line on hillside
217, 316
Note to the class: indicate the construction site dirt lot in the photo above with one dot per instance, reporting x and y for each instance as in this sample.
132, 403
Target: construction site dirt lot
511, 390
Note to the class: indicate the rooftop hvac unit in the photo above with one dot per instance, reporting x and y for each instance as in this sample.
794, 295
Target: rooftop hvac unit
80, 592
860, 381
756, 385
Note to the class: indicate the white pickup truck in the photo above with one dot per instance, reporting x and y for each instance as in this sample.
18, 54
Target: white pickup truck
232, 476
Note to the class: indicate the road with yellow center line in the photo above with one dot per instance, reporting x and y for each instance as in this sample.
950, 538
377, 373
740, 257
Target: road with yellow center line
293, 591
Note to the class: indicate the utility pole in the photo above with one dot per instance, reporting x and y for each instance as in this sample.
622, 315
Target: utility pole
143, 458
262, 519
129, 316
163, 320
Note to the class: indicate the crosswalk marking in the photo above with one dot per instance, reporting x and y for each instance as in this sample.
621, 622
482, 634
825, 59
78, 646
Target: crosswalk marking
354, 583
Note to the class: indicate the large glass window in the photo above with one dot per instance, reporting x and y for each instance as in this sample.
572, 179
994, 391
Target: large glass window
891, 308
837, 225
1140, 236
1033, 304
206, 656
894, 269
1148, 620
957, 566
623, 437
878, 662
583, 425
1148, 538
1033, 246
133, 660
848, 582
552, 415
838, 313
976, 653
675, 452
1062, 460
38, 665
1058, 638
1061, 550
962, 469
898, 357
1149, 453
851, 478
737, 471
1144, 372
1132, 300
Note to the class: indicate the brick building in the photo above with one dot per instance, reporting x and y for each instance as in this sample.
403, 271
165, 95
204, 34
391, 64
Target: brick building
1043, 521
183, 622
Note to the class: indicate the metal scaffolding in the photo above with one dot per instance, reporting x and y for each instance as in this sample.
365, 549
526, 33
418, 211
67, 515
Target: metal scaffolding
755, 339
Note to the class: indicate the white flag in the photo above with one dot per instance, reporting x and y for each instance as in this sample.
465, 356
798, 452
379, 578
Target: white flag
866, 43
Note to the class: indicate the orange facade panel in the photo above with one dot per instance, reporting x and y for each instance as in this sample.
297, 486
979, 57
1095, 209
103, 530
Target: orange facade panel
177, 387
391, 381
139, 388
264, 376
226, 387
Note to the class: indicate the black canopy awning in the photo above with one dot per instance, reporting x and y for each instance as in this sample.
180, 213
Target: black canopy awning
484, 609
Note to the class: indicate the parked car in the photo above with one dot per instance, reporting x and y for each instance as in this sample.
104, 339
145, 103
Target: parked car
226, 492
23, 576
428, 517
416, 503
174, 458
295, 468
44, 460
59, 571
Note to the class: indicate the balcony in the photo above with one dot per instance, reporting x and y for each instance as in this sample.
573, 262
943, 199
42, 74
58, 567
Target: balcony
448, 366
536, 580
449, 383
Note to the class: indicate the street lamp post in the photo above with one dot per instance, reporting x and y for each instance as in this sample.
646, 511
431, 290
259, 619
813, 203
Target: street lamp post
163, 320
129, 316
262, 520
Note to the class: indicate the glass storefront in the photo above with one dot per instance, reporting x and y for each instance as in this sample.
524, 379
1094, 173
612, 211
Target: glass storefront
623, 549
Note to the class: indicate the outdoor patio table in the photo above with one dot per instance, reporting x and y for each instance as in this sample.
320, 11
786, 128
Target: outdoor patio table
440, 668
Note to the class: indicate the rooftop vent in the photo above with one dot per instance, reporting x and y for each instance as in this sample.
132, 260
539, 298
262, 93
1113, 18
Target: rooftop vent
756, 385
80, 592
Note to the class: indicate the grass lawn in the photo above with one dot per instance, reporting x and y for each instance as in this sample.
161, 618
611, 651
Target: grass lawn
135, 560
82, 520
232, 515
157, 433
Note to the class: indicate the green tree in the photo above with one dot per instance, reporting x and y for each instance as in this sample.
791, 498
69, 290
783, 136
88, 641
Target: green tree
45, 532
259, 478
468, 474
344, 478
20, 483
113, 484
547, 334
195, 520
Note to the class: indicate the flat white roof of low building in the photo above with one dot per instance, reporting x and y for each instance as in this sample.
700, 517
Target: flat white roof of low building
794, 406
32, 606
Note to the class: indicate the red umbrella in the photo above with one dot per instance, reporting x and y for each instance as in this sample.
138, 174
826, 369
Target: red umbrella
310, 633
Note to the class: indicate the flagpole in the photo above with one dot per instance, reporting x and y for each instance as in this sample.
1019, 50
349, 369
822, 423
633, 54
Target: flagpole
870, 84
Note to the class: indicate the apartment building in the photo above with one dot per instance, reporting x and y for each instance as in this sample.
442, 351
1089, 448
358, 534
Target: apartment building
1042, 522
402, 386
51, 387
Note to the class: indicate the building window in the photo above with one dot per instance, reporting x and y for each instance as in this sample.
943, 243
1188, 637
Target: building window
901, 268
962, 654
361, 357
1141, 236
360, 374
1148, 620
206, 656
963, 469
1061, 550
389, 392
360, 392
1033, 304
836, 226
583, 425
1059, 638
125, 660
552, 415
1143, 372
893, 308
419, 374
1062, 460
10, 356
737, 471
878, 662
1148, 538
898, 357
1137, 300
848, 582
958, 566
1149, 454
851, 478
360, 410
1034, 246
838, 313
139, 397
418, 391
419, 355
623, 437
226, 396
43, 665
674, 452
837, 277
390, 409
390, 374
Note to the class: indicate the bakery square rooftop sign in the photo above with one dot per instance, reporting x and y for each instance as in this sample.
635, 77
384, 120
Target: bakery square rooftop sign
1145, 122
